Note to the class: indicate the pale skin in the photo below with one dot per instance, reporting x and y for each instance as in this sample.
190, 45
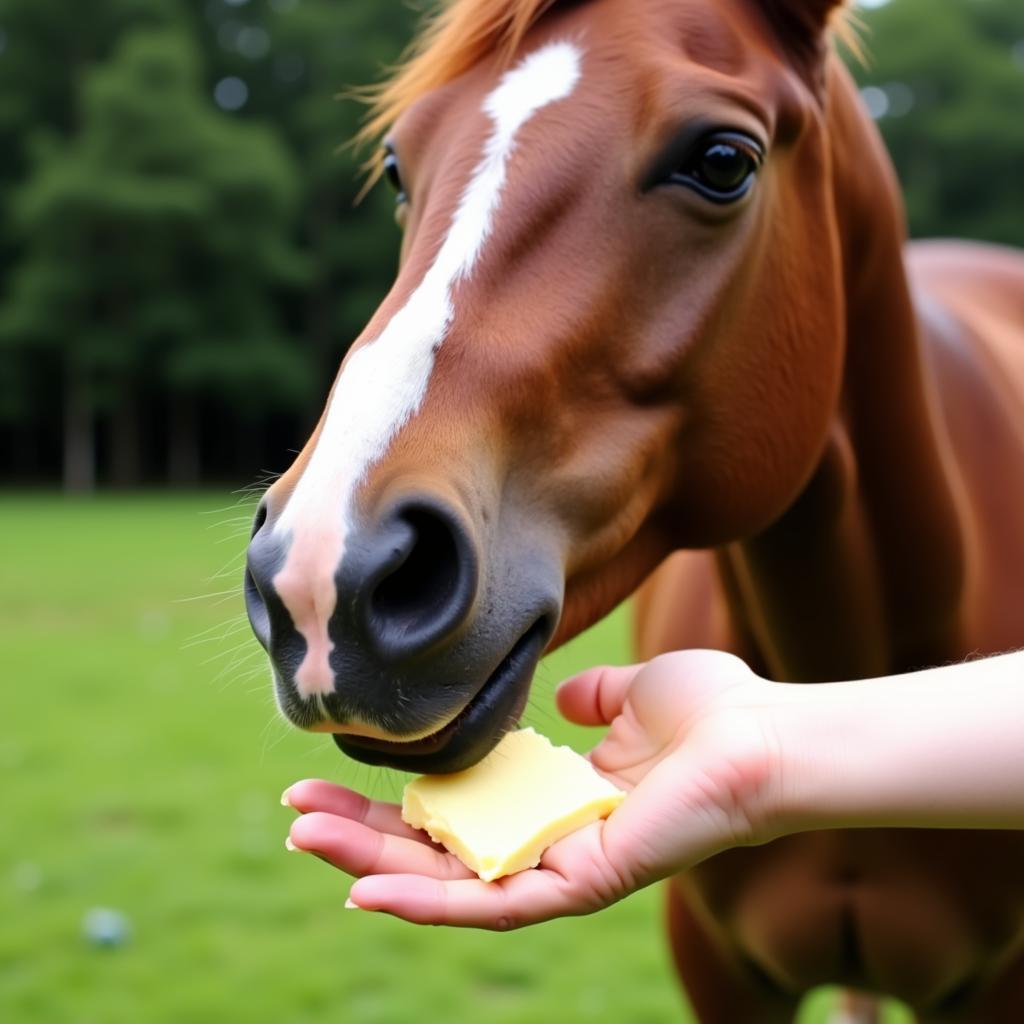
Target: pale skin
712, 757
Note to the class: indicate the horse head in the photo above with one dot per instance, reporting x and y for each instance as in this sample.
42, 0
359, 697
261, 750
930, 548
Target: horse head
615, 332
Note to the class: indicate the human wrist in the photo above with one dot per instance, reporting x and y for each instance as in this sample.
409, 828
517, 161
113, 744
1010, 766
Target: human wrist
770, 754
828, 739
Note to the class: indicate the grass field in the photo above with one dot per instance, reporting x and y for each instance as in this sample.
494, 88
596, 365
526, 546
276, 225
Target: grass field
142, 761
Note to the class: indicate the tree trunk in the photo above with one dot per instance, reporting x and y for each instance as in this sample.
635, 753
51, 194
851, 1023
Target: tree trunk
126, 442
79, 432
184, 464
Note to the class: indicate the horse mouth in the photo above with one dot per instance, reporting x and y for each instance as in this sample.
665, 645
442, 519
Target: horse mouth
491, 712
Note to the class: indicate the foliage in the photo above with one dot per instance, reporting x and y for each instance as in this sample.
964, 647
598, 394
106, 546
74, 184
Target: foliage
161, 230
169, 269
952, 77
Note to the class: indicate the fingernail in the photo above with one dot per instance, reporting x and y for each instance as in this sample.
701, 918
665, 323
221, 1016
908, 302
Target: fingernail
350, 904
290, 846
285, 802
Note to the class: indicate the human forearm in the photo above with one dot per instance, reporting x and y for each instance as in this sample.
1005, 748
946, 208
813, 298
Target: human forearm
712, 757
942, 748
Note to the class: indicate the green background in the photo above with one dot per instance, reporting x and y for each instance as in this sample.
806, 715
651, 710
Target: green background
142, 761
178, 281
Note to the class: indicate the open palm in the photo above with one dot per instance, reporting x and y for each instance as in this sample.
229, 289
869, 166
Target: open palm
684, 740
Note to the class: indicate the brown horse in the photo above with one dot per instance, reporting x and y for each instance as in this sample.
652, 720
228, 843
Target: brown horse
653, 298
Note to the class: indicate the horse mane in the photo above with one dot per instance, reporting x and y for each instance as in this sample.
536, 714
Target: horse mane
455, 38
460, 34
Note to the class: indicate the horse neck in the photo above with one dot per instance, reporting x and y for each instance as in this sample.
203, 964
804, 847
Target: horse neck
863, 574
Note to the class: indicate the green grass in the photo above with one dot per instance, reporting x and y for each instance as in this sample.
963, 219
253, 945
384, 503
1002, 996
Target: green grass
142, 761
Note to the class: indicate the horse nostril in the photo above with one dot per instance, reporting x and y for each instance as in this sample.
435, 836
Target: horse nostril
427, 575
425, 581
255, 603
260, 518
256, 608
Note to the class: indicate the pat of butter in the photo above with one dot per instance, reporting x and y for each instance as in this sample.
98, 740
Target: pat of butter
499, 816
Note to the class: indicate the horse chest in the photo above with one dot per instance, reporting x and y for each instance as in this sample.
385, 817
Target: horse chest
914, 914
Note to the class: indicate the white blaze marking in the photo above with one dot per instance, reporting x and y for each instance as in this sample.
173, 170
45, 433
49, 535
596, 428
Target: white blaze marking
385, 380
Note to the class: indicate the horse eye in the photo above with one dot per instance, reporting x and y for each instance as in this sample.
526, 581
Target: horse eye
722, 168
393, 176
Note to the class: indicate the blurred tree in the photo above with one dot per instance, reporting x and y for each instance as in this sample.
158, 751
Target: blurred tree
155, 241
297, 59
181, 261
276, 62
946, 84
46, 47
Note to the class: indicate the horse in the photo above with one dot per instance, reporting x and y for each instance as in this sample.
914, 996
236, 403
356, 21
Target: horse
656, 326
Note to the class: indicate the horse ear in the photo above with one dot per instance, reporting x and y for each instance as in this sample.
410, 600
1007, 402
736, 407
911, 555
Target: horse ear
802, 25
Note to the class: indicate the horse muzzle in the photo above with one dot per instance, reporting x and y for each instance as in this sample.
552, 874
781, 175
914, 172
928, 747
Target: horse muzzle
417, 648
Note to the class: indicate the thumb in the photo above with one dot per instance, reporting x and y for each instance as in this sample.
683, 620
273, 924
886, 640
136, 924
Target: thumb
596, 696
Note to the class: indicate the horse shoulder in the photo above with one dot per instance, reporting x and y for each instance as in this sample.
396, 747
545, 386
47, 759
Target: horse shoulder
970, 300
685, 603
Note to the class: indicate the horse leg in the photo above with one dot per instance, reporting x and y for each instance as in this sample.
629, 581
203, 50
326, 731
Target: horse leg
721, 989
1000, 1002
856, 1008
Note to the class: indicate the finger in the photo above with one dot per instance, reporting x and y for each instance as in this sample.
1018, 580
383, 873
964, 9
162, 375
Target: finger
317, 795
360, 850
527, 898
596, 696
574, 878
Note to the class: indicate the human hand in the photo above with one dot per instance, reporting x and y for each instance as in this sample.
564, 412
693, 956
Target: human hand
691, 739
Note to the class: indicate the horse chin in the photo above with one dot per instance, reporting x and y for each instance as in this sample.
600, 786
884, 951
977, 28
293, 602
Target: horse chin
494, 710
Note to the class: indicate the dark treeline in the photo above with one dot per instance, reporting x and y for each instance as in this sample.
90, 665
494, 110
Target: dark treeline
181, 260
182, 263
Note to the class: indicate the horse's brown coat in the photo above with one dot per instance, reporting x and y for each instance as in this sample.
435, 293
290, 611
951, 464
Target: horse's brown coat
833, 426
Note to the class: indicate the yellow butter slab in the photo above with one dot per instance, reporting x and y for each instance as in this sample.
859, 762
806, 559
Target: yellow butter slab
499, 816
